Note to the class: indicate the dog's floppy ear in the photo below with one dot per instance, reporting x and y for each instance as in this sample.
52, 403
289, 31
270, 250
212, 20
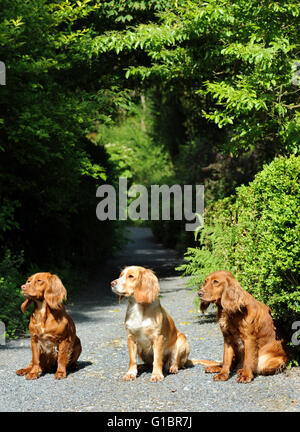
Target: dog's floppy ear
55, 293
233, 297
147, 288
25, 304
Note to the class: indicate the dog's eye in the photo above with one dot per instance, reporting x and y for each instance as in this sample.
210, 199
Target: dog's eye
39, 280
215, 281
130, 276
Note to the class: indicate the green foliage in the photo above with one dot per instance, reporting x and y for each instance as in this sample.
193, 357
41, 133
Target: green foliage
255, 234
235, 56
48, 169
133, 151
220, 74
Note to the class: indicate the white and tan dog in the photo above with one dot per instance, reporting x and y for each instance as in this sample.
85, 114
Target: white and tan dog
152, 334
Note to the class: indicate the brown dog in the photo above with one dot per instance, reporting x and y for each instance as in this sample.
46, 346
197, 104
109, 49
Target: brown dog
151, 331
248, 330
54, 343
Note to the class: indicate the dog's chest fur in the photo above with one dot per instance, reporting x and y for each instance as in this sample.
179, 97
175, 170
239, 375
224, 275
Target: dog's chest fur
46, 341
140, 322
38, 326
48, 346
137, 321
230, 327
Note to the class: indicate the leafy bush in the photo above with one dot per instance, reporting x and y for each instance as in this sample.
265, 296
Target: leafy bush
233, 58
256, 236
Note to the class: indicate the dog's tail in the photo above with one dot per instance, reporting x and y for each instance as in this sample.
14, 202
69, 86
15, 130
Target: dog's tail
194, 362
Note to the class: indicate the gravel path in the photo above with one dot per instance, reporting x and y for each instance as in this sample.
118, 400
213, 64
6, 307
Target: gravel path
97, 385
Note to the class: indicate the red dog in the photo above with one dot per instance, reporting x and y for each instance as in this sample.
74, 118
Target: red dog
54, 343
247, 327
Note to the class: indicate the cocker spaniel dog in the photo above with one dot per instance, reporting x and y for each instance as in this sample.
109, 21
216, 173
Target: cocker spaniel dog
54, 343
250, 342
152, 334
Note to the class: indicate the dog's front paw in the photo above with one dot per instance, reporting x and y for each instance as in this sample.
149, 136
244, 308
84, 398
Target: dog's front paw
60, 375
32, 375
244, 376
157, 377
130, 376
221, 377
173, 369
22, 372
